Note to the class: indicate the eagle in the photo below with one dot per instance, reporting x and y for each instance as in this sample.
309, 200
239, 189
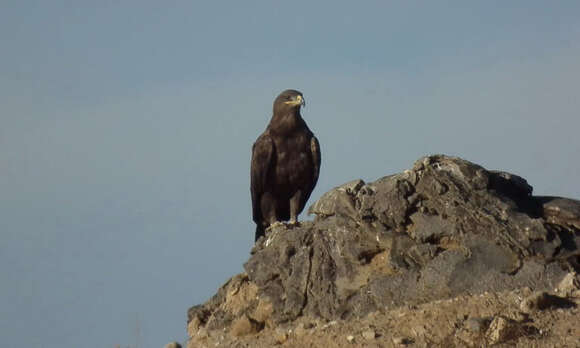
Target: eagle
285, 164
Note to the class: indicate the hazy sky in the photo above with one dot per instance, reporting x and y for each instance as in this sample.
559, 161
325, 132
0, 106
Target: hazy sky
127, 127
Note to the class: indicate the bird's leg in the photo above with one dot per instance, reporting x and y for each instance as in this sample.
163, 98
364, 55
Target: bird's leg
295, 207
268, 206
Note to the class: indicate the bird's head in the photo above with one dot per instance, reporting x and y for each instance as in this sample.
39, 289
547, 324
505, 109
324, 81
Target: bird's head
289, 100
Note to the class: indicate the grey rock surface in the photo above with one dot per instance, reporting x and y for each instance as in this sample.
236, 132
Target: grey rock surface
444, 228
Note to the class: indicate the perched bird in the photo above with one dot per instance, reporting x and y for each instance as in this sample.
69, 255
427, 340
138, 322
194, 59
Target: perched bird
285, 164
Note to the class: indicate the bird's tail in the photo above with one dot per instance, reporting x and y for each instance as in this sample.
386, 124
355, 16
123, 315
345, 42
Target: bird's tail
260, 230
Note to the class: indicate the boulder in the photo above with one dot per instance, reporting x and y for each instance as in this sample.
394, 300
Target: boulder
444, 228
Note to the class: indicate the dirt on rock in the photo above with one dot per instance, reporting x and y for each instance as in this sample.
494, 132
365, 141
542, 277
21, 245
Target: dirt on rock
465, 321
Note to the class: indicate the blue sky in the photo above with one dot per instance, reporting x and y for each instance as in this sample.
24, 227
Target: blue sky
127, 128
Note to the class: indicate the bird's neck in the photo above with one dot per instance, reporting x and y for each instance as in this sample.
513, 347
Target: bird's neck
286, 123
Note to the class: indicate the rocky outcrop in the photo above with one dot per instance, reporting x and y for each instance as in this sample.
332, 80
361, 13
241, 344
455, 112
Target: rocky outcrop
444, 228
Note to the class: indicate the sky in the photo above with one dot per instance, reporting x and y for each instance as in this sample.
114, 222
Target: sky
127, 128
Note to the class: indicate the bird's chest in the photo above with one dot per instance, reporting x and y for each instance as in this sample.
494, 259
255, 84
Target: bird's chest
293, 160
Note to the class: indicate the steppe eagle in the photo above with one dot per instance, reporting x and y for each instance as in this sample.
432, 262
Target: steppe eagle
285, 164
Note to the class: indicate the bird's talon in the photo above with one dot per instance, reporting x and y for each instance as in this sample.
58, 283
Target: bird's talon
274, 225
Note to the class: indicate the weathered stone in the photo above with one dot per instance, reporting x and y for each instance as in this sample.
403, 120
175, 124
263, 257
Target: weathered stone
263, 311
244, 326
329, 324
339, 200
444, 228
569, 284
421, 254
369, 334
429, 228
201, 333
509, 184
280, 336
561, 211
477, 325
300, 330
501, 329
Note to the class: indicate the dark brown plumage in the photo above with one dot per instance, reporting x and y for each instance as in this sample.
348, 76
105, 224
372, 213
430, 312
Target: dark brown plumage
285, 164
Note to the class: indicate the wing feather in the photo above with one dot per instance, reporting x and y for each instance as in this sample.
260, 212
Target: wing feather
261, 163
315, 149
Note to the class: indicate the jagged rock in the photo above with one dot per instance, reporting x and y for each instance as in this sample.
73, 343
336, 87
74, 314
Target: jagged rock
501, 329
245, 326
340, 200
444, 228
570, 285
235, 298
561, 211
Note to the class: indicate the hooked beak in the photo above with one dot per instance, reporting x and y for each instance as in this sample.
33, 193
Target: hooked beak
299, 100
